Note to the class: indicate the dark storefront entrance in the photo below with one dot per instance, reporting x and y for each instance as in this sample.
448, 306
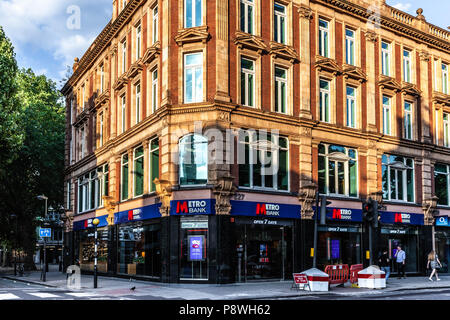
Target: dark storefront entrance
338, 245
408, 239
264, 249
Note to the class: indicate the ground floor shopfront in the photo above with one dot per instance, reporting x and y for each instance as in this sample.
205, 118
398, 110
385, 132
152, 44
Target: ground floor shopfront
257, 241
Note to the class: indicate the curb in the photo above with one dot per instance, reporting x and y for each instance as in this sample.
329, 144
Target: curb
29, 281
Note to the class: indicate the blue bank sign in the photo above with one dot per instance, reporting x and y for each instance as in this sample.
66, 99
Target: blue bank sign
442, 221
265, 210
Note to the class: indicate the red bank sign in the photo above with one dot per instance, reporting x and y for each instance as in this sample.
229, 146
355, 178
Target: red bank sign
266, 209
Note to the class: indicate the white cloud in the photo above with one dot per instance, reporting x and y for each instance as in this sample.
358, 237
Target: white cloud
403, 6
39, 27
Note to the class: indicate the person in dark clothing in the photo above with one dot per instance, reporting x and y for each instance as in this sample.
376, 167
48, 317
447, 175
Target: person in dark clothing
385, 263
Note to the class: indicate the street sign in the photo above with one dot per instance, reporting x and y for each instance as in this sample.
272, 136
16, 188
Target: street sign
45, 232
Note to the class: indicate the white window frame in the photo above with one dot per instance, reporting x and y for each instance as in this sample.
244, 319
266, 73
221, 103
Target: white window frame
408, 121
102, 78
124, 56
324, 45
83, 142
246, 73
194, 14
246, 26
137, 92
349, 51
282, 33
154, 90
196, 96
101, 130
446, 129
445, 78
387, 115
386, 59
123, 101
351, 108
407, 66
324, 110
278, 86
138, 41
155, 20
68, 193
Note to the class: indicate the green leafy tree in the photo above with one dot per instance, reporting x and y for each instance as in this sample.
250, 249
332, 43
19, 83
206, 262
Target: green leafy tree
39, 164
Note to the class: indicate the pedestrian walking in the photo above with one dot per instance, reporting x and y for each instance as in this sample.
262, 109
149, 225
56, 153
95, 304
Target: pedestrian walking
400, 256
385, 265
435, 264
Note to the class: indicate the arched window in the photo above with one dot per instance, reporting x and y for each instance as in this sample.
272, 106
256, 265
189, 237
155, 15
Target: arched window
193, 152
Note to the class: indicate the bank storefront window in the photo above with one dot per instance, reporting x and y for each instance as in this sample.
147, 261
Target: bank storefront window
194, 248
139, 249
86, 249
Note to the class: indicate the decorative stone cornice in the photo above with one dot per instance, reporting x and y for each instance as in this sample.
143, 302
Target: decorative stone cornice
103, 98
152, 53
120, 82
250, 41
371, 36
305, 12
82, 118
389, 83
354, 72
424, 56
135, 69
410, 89
327, 64
188, 35
441, 98
283, 51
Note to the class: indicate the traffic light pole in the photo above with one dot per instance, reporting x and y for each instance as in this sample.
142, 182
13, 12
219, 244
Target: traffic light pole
316, 213
370, 244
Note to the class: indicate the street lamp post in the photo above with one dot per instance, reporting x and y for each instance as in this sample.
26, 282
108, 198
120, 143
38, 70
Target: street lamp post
95, 222
44, 271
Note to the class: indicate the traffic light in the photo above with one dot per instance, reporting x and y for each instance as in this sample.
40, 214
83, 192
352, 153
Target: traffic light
370, 212
323, 210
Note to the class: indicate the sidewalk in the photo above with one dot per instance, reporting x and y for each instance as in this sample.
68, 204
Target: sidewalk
117, 287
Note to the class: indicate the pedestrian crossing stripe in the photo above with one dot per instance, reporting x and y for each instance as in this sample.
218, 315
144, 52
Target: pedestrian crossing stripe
83, 294
8, 296
44, 295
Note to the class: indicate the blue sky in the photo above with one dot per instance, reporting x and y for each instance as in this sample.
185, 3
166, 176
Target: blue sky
44, 40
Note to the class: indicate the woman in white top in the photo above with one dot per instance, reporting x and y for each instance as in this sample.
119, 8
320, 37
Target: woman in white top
434, 262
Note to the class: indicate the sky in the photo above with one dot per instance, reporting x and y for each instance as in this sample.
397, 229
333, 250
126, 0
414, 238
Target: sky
48, 34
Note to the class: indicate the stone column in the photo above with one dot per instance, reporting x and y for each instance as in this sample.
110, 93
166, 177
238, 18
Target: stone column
222, 70
305, 14
425, 107
130, 174
371, 39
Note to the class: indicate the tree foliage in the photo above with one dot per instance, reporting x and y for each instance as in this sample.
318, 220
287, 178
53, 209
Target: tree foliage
36, 164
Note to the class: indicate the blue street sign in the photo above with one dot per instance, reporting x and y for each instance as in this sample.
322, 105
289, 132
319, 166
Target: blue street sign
45, 232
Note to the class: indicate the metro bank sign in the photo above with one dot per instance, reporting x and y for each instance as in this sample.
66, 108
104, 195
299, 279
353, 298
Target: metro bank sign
266, 209
188, 207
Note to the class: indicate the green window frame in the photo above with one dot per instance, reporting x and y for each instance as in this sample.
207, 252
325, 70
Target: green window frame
337, 170
442, 183
138, 171
263, 166
154, 163
398, 178
124, 178
193, 160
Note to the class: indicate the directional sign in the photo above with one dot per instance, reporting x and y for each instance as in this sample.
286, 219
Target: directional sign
45, 232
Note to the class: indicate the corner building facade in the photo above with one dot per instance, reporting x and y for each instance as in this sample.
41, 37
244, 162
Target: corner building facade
342, 97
